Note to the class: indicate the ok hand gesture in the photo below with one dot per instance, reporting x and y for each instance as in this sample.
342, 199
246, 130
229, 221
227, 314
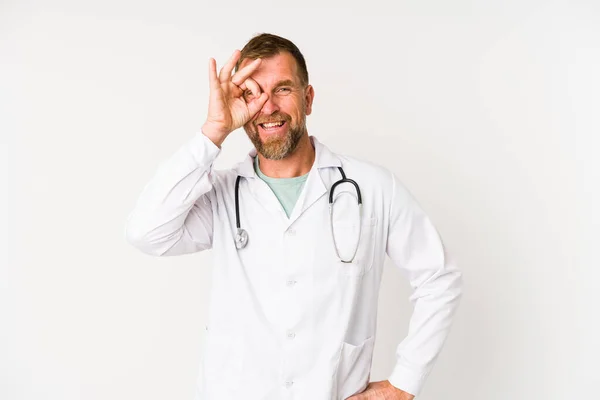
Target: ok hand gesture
227, 107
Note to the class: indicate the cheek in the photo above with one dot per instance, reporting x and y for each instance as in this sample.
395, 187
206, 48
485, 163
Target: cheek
295, 109
250, 126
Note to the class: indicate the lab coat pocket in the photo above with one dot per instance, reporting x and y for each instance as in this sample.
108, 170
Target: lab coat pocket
354, 369
223, 361
347, 241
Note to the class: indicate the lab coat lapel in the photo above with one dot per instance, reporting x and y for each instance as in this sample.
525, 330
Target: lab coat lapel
258, 188
315, 186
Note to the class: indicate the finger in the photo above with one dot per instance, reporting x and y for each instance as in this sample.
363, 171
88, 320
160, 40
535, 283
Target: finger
245, 72
212, 74
255, 105
255, 89
253, 86
225, 73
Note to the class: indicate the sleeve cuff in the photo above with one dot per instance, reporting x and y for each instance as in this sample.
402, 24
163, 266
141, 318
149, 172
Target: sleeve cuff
204, 150
407, 380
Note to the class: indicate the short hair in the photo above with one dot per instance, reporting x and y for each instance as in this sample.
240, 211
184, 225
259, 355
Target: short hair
267, 45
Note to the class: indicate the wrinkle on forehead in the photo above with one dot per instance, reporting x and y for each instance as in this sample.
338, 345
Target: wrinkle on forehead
275, 69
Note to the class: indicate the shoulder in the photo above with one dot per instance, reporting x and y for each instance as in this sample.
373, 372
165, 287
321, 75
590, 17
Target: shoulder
223, 178
368, 172
377, 180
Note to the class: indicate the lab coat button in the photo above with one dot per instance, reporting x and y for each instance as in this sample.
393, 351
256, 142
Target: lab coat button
291, 232
291, 335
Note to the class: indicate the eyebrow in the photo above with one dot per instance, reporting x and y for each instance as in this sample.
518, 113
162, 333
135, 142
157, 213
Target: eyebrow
285, 82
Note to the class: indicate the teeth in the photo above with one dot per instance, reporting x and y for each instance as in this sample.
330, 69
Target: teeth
272, 124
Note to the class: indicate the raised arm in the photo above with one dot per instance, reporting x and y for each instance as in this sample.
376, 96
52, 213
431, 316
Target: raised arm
173, 214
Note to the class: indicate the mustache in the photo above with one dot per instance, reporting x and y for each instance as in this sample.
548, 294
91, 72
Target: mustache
273, 118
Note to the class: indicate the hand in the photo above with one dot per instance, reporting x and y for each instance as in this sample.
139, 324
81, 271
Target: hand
383, 390
227, 107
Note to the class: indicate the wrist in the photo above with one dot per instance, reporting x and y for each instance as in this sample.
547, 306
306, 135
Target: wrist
216, 135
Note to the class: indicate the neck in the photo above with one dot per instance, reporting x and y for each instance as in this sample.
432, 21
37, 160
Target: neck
296, 164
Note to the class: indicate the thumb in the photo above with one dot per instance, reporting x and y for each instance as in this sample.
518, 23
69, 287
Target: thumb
255, 105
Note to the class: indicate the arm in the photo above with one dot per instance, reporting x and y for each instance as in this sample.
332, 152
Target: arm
415, 247
173, 214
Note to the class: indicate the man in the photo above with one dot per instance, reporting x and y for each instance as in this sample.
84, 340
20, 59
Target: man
296, 281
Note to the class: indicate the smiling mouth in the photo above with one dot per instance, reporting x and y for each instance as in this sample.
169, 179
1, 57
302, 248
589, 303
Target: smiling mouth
272, 125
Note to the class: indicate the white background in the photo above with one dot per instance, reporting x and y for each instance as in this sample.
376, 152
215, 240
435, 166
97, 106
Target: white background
488, 111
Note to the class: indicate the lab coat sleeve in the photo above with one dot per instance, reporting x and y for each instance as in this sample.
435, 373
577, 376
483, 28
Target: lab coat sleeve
415, 247
173, 214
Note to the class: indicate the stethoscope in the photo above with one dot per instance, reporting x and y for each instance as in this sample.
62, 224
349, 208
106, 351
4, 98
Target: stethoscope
241, 237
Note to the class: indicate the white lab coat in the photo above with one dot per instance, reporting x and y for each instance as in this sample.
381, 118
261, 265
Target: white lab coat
287, 319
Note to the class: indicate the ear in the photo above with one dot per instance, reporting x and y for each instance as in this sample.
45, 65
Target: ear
308, 98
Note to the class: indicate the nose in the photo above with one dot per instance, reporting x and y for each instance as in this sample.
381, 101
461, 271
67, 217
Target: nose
270, 106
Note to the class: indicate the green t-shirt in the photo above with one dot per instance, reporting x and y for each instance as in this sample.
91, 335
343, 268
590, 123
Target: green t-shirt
287, 190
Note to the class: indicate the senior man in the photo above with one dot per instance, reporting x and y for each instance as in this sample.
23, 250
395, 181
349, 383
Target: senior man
299, 235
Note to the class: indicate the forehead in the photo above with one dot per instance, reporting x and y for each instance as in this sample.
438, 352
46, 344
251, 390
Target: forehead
274, 69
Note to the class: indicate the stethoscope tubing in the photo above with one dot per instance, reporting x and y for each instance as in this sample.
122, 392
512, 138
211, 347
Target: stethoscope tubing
241, 237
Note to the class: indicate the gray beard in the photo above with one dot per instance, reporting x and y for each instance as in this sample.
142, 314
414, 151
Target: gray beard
278, 148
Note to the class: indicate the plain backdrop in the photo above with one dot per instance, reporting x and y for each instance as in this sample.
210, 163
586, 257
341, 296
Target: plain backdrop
487, 110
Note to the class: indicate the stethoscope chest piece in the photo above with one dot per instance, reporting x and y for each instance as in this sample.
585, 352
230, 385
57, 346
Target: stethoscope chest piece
241, 239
